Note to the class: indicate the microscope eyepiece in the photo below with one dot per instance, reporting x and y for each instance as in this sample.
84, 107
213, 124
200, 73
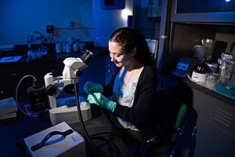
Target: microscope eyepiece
87, 56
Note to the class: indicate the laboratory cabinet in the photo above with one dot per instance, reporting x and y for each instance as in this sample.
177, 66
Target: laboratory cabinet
184, 36
208, 11
215, 126
183, 30
215, 135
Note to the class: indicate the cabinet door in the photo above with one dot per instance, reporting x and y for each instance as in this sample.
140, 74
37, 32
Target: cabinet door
216, 127
15, 75
22, 74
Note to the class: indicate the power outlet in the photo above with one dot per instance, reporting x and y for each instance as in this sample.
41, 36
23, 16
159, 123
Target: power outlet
49, 28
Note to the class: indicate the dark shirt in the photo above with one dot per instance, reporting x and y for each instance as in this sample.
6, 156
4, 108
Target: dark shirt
141, 112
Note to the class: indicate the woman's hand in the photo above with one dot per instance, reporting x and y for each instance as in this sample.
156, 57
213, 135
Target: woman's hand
102, 101
91, 87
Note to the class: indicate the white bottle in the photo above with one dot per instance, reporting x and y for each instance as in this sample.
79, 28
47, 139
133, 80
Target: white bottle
68, 48
64, 46
58, 47
75, 47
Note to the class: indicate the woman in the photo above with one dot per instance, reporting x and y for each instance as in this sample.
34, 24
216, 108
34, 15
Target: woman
132, 86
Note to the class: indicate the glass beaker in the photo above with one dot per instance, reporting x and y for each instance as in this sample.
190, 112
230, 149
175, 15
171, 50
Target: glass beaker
211, 80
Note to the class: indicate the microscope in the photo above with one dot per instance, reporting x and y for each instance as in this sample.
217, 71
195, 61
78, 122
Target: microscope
59, 111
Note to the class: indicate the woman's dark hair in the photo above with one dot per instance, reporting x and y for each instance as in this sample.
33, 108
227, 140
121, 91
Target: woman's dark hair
130, 38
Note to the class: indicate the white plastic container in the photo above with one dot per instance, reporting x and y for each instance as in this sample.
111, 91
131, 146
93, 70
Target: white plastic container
68, 48
199, 77
58, 47
75, 47
63, 46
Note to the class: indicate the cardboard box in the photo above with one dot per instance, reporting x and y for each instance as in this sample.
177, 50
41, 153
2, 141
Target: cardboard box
57, 145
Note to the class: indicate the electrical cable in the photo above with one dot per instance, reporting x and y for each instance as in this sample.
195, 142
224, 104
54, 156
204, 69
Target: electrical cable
88, 138
83, 125
16, 93
50, 38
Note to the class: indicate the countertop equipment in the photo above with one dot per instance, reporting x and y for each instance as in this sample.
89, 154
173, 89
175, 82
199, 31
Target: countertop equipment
55, 85
206, 55
200, 73
204, 51
227, 66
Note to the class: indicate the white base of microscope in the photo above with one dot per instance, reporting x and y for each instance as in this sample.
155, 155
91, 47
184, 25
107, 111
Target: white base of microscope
69, 114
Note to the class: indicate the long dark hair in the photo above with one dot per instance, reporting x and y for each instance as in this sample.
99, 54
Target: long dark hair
130, 38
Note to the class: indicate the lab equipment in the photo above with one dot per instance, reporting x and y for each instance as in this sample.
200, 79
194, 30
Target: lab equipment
55, 85
59, 140
37, 97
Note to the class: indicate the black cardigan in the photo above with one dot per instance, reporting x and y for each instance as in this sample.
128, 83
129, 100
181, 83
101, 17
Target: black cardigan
141, 112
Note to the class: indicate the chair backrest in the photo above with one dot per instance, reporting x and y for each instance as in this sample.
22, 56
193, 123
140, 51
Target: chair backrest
173, 116
180, 119
170, 112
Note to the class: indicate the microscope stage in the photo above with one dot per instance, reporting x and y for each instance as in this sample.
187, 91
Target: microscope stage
65, 112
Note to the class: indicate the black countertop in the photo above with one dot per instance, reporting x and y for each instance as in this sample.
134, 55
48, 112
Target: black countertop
183, 87
210, 92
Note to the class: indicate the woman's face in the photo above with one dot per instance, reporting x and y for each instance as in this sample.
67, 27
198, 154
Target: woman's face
118, 55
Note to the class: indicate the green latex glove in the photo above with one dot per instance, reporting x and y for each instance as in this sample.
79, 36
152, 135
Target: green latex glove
102, 101
91, 87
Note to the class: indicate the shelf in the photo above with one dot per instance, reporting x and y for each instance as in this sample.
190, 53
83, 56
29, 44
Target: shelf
154, 11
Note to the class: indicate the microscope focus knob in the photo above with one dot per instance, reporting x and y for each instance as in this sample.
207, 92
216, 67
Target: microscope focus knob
51, 90
78, 73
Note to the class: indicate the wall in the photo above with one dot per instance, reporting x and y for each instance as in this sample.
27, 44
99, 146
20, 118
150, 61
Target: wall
108, 20
19, 18
150, 27
227, 37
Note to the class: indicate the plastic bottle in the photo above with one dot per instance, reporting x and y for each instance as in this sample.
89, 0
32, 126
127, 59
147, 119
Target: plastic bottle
38, 99
58, 47
68, 48
63, 46
75, 47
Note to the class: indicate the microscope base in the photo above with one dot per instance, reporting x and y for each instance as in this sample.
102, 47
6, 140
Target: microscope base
69, 114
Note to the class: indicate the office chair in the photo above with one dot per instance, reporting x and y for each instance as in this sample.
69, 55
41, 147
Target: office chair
175, 125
